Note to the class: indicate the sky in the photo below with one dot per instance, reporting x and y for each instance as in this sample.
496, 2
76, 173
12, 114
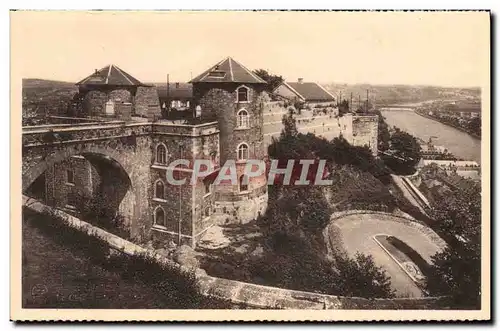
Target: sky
443, 49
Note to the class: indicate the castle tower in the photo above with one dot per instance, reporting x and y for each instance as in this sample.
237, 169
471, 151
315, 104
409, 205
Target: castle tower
232, 95
113, 93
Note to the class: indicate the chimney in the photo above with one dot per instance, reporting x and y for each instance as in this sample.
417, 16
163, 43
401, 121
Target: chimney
95, 71
300, 80
176, 85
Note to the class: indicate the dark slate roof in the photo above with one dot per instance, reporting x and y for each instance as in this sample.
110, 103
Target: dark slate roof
311, 91
110, 75
176, 91
228, 71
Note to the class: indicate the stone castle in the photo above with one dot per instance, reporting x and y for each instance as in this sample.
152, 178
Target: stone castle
124, 155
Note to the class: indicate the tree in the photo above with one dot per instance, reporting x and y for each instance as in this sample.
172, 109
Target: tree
289, 126
361, 277
459, 214
343, 107
456, 271
273, 81
383, 133
474, 126
405, 152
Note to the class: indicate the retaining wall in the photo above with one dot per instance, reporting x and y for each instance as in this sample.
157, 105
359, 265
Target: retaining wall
250, 295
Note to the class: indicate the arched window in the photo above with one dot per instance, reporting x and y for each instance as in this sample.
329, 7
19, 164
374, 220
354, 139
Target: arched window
160, 217
243, 151
243, 119
161, 154
243, 183
159, 190
242, 94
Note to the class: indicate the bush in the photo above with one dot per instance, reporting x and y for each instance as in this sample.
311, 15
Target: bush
411, 253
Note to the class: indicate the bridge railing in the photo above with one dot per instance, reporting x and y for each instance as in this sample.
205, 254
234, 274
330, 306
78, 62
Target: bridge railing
87, 132
56, 134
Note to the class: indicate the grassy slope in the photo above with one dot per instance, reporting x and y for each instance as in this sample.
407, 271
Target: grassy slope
355, 189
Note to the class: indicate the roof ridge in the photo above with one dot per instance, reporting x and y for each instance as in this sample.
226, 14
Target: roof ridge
109, 73
325, 90
230, 67
294, 90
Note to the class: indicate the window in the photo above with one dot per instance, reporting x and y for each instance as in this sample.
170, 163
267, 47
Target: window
243, 183
159, 190
159, 217
242, 94
243, 119
242, 151
161, 154
217, 74
70, 177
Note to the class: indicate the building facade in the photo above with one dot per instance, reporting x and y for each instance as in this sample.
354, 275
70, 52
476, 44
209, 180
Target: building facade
229, 100
233, 96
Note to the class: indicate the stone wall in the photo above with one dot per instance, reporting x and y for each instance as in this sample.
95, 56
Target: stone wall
132, 152
59, 191
120, 95
147, 102
219, 102
247, 294
94, 99
94, 103
357, 130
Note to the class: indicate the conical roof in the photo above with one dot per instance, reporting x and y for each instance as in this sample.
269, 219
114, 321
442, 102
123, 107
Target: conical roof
110, 75
228, 71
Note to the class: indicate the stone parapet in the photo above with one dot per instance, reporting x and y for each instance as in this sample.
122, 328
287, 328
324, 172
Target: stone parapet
247, 294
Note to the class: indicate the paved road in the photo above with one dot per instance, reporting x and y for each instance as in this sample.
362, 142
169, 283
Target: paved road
357, 235
407, 193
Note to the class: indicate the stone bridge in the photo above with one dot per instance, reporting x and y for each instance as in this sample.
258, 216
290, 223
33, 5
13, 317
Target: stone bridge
126, 144
122, 155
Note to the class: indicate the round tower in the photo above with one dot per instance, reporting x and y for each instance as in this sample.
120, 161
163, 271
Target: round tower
233, 96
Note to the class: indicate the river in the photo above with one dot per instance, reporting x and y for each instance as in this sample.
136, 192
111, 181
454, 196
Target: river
457, 142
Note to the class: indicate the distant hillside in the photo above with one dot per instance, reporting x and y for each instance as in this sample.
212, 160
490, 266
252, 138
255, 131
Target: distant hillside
29, 83
393, 94
42, 98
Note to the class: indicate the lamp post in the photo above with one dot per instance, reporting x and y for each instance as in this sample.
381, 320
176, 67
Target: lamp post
181, 146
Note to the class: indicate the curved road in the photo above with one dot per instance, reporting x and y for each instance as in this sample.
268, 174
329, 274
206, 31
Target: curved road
357, 233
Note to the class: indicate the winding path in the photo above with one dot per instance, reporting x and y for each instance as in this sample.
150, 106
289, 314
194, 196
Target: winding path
356, 233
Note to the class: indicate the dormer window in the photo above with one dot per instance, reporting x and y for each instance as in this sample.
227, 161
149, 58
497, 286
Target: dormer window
217, 74
242, 92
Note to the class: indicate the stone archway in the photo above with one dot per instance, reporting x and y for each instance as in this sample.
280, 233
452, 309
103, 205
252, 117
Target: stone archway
119, 165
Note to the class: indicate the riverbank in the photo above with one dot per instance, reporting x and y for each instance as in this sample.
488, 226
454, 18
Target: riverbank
448, 124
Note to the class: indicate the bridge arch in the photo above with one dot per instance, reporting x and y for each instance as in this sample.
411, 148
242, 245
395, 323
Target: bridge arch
116, 169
